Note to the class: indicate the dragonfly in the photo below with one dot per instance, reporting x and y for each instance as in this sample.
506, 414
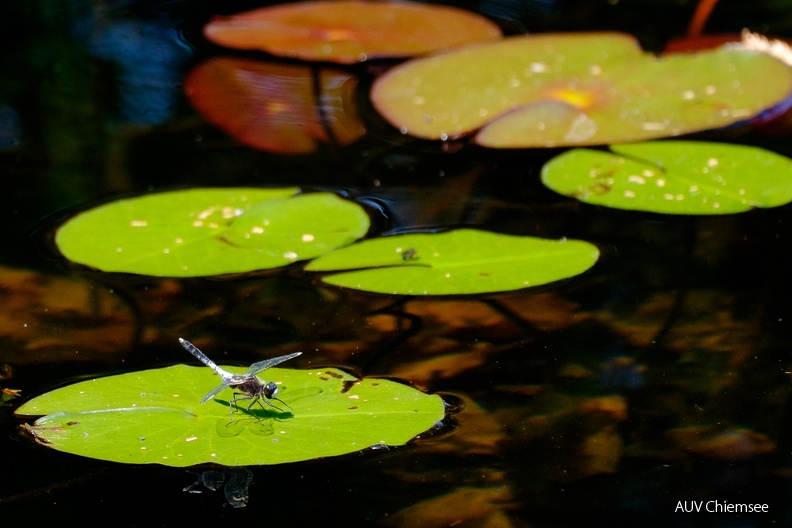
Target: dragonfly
246, 386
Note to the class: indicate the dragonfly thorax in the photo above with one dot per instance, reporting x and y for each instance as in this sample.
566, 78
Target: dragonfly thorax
251, 386
254, 387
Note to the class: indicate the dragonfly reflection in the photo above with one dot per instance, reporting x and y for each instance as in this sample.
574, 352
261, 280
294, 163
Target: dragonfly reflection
246, 386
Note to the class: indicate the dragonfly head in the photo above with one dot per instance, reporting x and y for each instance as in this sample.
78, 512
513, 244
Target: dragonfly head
270, 390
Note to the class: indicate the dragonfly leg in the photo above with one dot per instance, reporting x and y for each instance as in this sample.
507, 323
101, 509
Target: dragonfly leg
283, 402
239, 396
258, 399
268, 402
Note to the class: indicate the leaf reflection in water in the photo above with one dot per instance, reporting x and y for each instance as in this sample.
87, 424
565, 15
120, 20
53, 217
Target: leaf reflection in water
236, 490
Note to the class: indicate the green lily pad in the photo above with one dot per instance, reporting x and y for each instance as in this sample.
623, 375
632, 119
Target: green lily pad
577, 89
673, 177
200, 232
154, 417
463, 261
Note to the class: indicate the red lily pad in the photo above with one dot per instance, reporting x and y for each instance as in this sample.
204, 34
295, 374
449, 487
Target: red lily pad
350, 31
577, 89
273, 107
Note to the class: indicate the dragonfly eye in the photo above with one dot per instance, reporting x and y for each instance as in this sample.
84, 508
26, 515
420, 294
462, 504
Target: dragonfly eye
270, 390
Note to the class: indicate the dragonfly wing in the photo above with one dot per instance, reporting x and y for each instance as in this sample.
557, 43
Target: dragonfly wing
214, 392
200, 356
255, 368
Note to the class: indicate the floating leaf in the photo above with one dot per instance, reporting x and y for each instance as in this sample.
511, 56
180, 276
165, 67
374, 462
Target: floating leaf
201, 232
6, 395
350, 31
673, 177
577, 89
463, 261
154, 416
273, 107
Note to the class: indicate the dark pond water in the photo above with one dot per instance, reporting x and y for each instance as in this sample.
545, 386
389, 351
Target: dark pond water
662, 375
